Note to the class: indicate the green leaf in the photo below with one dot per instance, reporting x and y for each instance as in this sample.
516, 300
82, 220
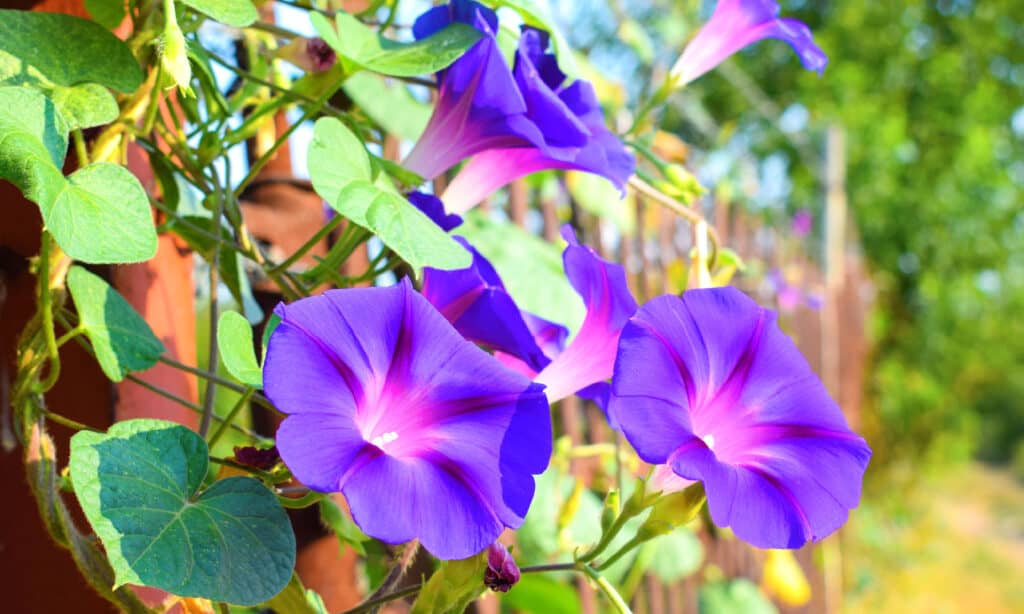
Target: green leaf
530, 267
534, 16
77, 52
343, 527
121, 339
238, 13
452, 587
139, 486
389, 104
676, 555
296, 599
600, 197
107, 13
341, 173
360, 45
739, 595
85, 105
102, 216
539, 593
234, 339
99, 214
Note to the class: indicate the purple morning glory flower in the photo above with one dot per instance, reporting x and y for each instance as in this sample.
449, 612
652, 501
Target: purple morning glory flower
708, 384
802, 223
476, 302
790, 296
736, 24
560, 109
432, 207
514, 122
426, 435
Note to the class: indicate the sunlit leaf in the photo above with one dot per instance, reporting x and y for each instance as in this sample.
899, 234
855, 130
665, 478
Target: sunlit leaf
234, 340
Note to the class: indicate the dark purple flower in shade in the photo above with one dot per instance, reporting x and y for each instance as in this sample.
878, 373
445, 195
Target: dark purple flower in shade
263, 459
802, 223
476, 302
708, 384
736, 24
559, 108
788, 295
502, 572
515, 121
426, 435
432, 207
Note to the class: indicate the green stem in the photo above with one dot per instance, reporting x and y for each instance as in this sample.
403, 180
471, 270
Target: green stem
308, 245
80, 149
71, 334
68, 422
371, 605
302, 502
230, 463
46, 312
229, 419
607, 538
190, 405
258, 398
609, 591
632, 543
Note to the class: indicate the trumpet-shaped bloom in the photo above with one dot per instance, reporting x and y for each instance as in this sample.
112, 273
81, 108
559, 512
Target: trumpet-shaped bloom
708, 385
476, 302
426, 435
515, 121
559, 109
736, 24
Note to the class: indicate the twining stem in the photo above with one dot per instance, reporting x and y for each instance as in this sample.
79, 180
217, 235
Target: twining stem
679, 209
308, 245
80, 149
190, 405
257, 398
230, 418
46, 312
68, 422
372, 604
632, 543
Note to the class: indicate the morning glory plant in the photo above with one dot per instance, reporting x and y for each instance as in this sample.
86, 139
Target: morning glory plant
509, 122
392, 381
735, 24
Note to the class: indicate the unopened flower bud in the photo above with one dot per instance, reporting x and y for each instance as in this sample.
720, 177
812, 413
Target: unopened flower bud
173, 51
263, 459
502, 571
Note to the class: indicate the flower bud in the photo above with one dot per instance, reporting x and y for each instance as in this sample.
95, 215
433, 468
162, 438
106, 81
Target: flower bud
309, 54
502, 571
174, 52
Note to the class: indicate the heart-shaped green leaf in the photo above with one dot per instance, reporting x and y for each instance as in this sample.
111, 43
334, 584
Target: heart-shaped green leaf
234, 339
341, 173
139, 486
120, 338
99, 214
365, 48
238, 13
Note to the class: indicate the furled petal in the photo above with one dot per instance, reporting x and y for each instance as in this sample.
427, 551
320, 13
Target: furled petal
432, 207
710, 385
738, 23
591, 354
391, 406
476, 303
